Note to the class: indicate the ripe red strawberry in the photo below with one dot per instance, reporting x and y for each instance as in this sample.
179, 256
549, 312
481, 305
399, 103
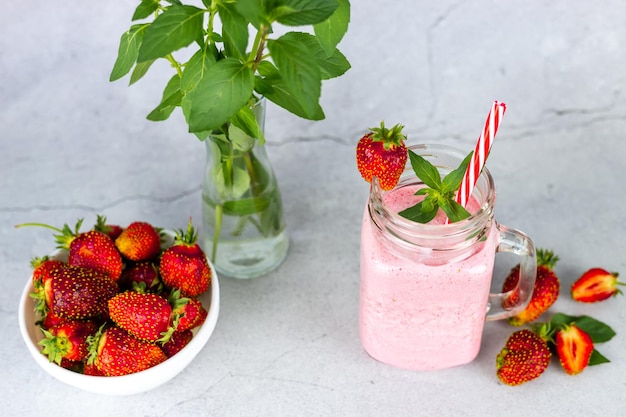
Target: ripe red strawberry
177, 342
184, 265
92, 249
145, 275
144, 315
51, 320
381, 153
574, 348
595, 285
139, 242
112, 230
545, 292
67, 340
187, 313
43, 268
76, 293
115, 352
524, 357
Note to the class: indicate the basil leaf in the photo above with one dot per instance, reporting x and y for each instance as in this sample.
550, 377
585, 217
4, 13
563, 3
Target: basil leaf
145, 9
420, 214
128, 51
175, 28
234, 30
332, 30
302, 12
452, 181
171, 99
453, 210
246, 206
229, 84
597, 358
425, 170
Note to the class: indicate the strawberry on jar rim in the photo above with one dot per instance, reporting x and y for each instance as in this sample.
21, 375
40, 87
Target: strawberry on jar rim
381, 153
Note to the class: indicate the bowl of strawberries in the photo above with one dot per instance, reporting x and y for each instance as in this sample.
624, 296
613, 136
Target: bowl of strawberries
119, 311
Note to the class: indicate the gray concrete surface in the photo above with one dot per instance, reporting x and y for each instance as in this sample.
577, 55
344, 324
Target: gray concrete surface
73, 145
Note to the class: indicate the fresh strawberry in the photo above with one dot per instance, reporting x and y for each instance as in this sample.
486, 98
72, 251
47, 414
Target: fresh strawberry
91, 369
67, 340
177, 342
144, 274
92, 249
144, 315
187, 313
595, 285
111, 230
51, 320
184, 265
524, 357
115, 352
574, 348
75, 293
545, 292
43, 268
140, 241
381, 153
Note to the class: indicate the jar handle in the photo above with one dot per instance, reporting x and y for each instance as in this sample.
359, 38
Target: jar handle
503, 305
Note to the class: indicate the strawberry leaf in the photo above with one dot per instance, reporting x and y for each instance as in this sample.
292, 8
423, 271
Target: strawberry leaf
597, 358
597, 330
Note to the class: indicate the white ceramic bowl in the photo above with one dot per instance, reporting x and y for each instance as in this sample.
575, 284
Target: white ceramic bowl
127, 384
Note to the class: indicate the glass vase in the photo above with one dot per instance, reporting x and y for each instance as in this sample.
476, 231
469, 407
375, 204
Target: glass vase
243, 229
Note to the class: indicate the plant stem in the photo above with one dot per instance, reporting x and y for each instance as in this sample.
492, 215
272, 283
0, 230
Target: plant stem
219, 213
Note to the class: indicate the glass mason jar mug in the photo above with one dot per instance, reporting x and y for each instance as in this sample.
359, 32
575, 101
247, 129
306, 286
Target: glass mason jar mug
425, 288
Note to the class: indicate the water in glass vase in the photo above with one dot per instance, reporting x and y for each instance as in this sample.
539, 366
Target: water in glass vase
243, 228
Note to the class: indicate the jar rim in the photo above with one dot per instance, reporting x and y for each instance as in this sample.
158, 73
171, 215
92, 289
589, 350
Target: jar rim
485, 185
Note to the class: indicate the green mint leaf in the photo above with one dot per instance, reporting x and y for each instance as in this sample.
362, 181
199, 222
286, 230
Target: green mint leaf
196, 68
330, 66
422, 212
299, 71
139, 71
246, 206
234, 30
302, 12
145, 9
597, 358
128, 51
171, 99
224, 89
270, 85
245, 120
453, 210
175, 28
452, 181
253, 11
332, 30
425, 171
597, 330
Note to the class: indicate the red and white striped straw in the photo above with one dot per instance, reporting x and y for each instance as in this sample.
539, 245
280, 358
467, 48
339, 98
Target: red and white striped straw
483, 147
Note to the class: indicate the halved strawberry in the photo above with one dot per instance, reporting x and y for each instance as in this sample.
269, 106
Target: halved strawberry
595, 285
381, 153
574, 348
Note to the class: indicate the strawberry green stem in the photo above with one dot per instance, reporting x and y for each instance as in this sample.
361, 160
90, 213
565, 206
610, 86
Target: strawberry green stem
47, 226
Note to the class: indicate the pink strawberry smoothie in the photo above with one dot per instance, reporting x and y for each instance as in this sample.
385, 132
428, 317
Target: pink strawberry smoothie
421, 315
